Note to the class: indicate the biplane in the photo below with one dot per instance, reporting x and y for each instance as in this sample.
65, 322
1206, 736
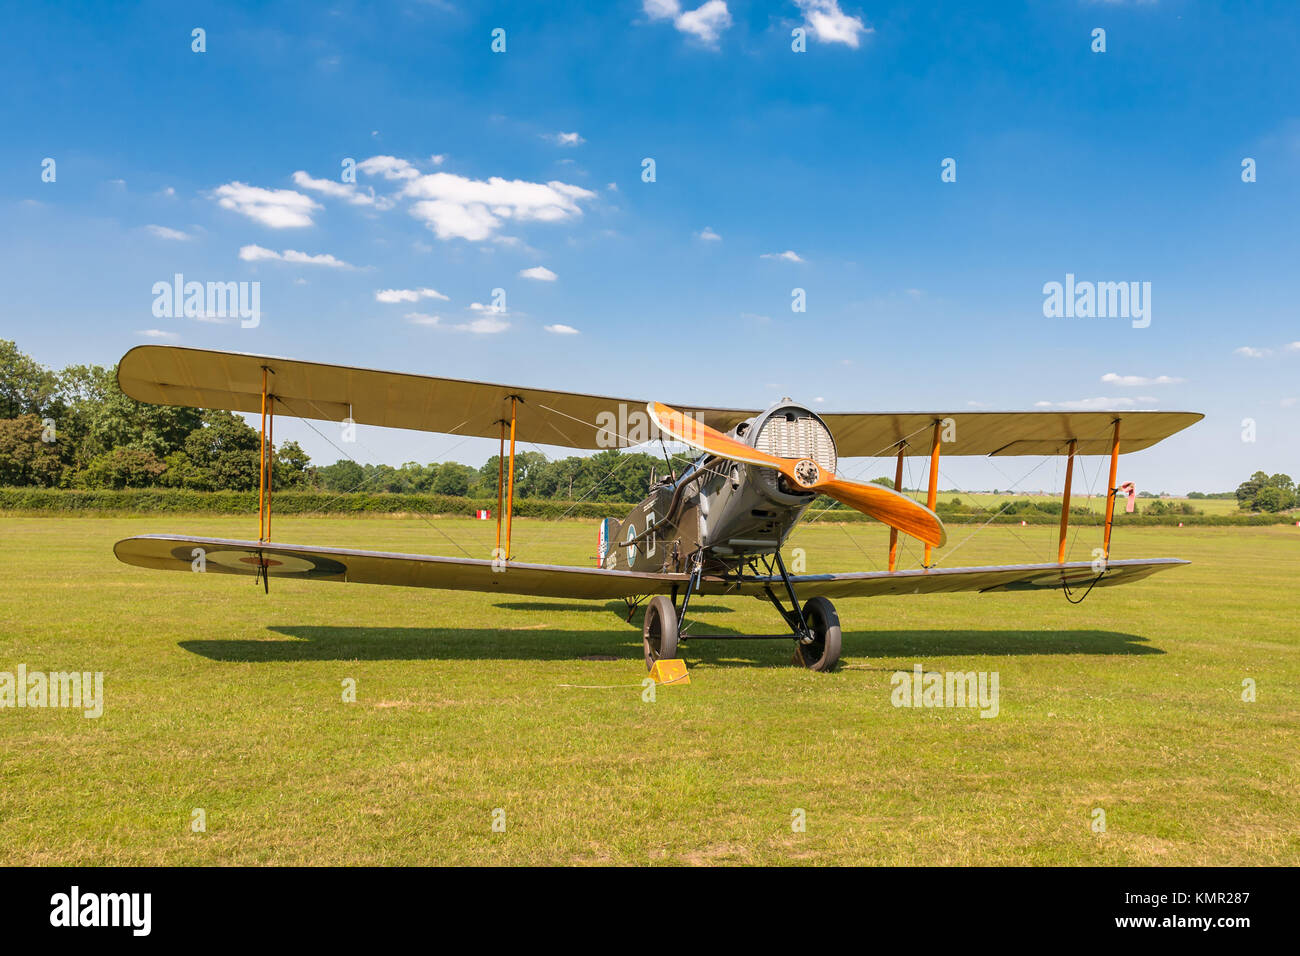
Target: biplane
715, 526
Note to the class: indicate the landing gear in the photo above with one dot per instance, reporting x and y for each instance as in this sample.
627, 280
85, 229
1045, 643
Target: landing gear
822, 653
816, 626
659, 632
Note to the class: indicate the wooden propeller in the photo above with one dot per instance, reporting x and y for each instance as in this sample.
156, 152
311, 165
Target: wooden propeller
890, 507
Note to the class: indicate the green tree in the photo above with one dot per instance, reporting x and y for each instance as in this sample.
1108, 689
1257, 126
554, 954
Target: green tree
343, 475
453, 478
291, 464
25, 457
183, 473
26, 386
1274, 498
226, 451
122, 468
1248, 489
1263, 492
98, 417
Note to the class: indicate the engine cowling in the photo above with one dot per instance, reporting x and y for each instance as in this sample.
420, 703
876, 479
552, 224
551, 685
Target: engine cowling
790, 431
750, 509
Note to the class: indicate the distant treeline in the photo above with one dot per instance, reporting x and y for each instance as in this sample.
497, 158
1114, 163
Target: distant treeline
244, 503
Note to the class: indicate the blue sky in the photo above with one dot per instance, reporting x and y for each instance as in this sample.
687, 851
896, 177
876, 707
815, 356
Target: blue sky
1119, 166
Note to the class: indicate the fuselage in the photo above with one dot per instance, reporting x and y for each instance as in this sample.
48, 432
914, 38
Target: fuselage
726, 511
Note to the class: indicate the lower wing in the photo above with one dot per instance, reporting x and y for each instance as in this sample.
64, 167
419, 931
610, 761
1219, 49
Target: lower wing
223, 556
1015, 577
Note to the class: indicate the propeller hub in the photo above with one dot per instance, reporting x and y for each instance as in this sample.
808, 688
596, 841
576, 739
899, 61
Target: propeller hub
806, 473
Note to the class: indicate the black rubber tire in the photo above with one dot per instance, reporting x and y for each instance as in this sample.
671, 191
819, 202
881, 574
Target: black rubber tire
824, 652
659, 632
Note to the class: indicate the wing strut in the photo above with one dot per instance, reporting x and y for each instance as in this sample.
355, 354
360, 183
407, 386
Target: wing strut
933, 492
1065, 502
510, 484
1111, 491
501, 475
266, 456
898, 486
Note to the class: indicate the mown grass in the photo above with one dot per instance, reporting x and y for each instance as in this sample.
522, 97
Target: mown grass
1095, 503
220, 697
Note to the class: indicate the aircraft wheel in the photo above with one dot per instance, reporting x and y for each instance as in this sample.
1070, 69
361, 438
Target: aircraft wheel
824, 652
659, 633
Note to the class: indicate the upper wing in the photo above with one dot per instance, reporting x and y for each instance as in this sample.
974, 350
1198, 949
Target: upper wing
202, 378
1017, 577
873, 434
207, 379
224, 556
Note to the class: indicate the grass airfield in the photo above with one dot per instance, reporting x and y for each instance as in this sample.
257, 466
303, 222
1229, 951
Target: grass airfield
219, 697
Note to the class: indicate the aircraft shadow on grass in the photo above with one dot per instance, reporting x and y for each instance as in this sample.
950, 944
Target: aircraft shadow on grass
616, 607
327, 643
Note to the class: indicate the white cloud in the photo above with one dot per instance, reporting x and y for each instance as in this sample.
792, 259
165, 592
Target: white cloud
348, 192
257, 253
566, 139
390, 167
438, 159
260, 254
788, 256
830, 24
1111, 378
168, 191
450, 220
480, 307
708, 233
408, 295
541, 273
706, 22
421, 318
612, 187
158, 334
163, 232
561, 329
456, 207
488, 325
274, 208
1091, 404
1251, 352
